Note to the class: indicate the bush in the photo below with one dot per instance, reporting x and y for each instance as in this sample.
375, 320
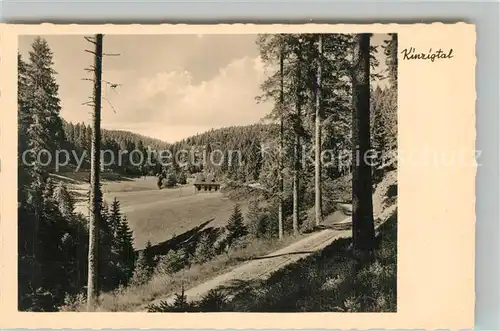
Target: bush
205, 249
182, 179
144, 267
159, 183
329, 280
73, 302
171, 180
180, 304
174, 261
262, 222
213, 301
256, 221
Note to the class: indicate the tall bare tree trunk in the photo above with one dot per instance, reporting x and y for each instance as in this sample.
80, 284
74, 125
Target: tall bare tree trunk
363, 231
296, 183
296, 154
317, 168
280, 156
95, 201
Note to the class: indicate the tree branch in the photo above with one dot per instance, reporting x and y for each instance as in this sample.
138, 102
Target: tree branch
90, 40
109, 103
112, 85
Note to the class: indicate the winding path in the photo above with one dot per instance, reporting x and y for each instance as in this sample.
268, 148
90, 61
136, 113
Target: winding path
263, 267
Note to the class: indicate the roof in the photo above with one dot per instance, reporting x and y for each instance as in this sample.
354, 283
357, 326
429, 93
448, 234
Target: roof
205, 179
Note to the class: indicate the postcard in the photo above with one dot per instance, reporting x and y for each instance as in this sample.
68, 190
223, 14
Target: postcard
238, 176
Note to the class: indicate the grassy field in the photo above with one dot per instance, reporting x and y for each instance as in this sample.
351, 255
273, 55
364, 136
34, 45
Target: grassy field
157, 215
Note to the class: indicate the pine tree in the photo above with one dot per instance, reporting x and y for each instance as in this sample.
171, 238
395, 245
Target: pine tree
253, 217
126, 253
66, 203
204, 249
141, 272
236, 227
180, 301
26, 218
51, 233
107, 254
391, 97
149, 255
46, 130
114, 218
391, 53
109, 247
24, 118
41, 226
214, 301
144, 267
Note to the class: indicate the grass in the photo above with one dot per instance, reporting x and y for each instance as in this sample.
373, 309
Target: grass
135, 298
335, 279
331, 280
162, 216
158, 215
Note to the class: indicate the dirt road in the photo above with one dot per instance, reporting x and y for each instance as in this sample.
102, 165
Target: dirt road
263, 267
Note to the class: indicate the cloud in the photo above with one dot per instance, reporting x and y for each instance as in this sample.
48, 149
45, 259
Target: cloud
172, 86
170, 100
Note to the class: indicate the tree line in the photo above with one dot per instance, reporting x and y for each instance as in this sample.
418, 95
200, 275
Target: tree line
323, 100
235, 151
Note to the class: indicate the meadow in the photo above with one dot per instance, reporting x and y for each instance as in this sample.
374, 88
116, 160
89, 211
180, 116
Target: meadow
159, 215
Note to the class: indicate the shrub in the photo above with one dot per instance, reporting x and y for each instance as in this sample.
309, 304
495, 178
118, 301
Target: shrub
205, 249
180, 304
221, 243
171, 180
174, 261
73, 302
213, 301
144, 267
159, 183
256, 225
182, 179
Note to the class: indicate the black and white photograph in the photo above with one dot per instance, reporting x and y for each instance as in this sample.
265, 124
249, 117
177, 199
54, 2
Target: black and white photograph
208, 172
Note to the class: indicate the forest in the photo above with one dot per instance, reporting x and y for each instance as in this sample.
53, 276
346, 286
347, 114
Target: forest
324, 106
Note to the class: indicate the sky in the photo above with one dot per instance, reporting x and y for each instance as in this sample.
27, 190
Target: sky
171, 86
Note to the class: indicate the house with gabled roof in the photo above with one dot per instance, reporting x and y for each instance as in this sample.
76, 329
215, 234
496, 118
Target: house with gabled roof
206, 183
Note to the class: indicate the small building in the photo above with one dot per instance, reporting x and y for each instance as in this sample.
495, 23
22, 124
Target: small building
206, 183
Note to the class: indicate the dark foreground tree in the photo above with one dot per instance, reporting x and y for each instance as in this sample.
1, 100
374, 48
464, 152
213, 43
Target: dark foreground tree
281, 143
363, 232
318, 214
